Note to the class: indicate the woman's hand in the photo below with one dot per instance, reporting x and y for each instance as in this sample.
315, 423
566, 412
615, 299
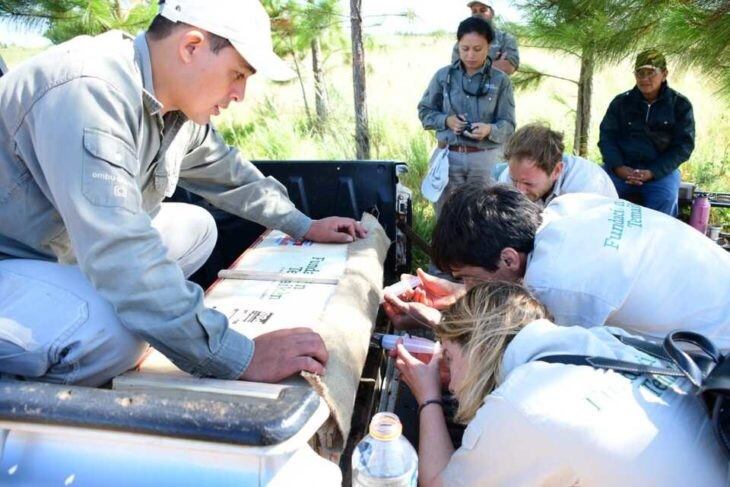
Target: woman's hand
423, 379
456, 123
480, 131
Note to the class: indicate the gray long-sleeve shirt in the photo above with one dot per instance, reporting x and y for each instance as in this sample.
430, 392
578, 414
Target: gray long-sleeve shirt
447, 94
85, 160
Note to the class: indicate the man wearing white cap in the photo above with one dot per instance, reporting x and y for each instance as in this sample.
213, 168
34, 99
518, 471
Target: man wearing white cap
503, 49
95, 133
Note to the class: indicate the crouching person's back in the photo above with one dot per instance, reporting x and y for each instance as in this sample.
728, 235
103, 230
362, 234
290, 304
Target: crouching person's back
576, 425
537, 423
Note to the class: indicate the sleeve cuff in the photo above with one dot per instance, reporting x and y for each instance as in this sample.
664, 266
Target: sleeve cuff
296, 224
233, 357
442, 121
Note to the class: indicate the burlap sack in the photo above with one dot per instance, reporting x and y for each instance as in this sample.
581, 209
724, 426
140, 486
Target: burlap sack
345, 326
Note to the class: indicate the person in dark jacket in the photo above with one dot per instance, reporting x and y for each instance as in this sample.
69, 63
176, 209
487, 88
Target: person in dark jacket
646, 134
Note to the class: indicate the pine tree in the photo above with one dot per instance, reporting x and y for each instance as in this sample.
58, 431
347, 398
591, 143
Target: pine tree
596, 32
362, 129
696, 34
64, 19
307, 27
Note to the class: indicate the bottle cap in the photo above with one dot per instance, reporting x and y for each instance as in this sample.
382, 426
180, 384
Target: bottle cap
385, 427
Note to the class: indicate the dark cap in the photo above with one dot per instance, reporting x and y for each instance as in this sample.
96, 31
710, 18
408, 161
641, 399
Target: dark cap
651, 58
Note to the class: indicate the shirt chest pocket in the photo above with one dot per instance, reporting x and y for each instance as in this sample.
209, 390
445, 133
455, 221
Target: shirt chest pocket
110, 169
167, 173
663, 121
487, 104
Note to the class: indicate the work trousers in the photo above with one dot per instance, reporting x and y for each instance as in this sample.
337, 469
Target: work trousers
56, 327
468, 166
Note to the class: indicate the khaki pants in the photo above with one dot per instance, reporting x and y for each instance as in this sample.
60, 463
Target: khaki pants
56, 327
471, 166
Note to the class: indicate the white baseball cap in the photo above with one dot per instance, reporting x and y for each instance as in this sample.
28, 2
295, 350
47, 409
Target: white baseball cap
244, 23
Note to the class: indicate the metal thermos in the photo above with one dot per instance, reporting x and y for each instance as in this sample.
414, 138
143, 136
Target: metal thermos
699, 217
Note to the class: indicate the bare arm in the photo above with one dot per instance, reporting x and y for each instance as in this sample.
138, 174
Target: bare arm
434, 446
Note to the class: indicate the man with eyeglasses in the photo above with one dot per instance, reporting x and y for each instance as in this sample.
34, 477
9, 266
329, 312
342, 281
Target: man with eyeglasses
503, 49
646, 134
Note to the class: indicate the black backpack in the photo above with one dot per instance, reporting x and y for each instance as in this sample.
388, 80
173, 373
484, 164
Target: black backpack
707, 369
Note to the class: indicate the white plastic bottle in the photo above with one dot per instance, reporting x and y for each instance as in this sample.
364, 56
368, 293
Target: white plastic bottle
384, 457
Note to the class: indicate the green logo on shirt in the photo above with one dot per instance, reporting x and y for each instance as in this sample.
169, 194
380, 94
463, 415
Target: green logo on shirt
623, 215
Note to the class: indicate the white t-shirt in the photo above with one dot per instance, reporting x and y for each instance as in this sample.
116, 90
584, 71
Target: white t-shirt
566, 425
603, 261
579, 176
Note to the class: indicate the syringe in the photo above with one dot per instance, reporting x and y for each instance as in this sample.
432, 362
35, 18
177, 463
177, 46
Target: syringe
412, 344
401, 286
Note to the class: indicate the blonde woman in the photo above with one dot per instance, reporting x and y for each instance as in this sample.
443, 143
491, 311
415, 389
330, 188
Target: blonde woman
537, 423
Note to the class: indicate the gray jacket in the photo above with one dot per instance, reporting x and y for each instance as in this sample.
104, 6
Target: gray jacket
503, 43
85, 161
446, 96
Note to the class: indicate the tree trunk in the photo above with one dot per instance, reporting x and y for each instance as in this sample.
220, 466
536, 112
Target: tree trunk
362, 133
298, 71
583, 108
320, 91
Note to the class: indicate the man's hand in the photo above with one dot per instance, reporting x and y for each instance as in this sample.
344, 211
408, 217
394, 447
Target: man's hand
504, 65
282, 353
435, 292
635, 177
408, 315
335, 229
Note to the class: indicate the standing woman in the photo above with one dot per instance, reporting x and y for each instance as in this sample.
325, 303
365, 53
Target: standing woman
470, 106
552, 424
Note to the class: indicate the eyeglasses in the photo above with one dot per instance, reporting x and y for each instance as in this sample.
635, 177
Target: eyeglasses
644, 73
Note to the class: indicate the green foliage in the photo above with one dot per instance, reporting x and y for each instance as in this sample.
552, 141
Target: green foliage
605, 29
696, 35
527, 78
65, 19
296, 23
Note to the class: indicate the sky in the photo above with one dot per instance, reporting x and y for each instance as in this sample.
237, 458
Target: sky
430, 15
379, 16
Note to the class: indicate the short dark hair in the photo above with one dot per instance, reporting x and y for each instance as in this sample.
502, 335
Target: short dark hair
162, 27
477, 222
475, 25
536, 141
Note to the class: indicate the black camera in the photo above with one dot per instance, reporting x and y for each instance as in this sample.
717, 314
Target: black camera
469, 125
